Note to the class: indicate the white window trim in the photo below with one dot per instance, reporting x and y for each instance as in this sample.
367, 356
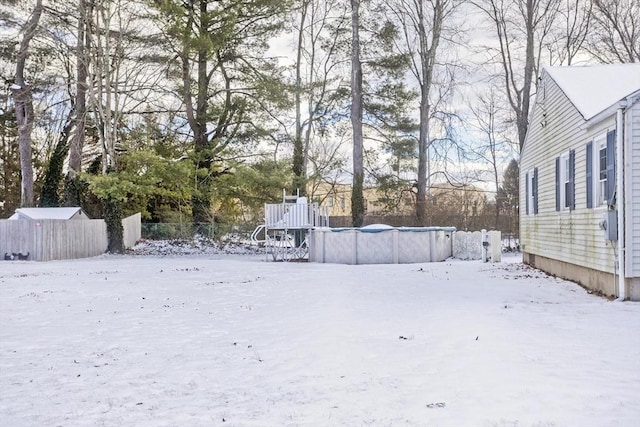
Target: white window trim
564, 179
531, 196
599, 143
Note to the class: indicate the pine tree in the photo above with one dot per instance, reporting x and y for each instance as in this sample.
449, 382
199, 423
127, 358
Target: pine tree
220, 47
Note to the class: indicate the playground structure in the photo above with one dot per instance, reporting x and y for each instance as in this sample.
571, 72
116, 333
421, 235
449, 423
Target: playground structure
287, 226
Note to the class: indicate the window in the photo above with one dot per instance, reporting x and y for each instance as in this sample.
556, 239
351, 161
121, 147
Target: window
565, 188
601, 170
329, 202
531, 190
566, 180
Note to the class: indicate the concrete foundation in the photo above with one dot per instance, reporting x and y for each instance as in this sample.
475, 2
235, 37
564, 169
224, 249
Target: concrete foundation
598, 281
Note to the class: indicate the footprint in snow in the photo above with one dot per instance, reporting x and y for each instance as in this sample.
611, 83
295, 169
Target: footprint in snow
436, 405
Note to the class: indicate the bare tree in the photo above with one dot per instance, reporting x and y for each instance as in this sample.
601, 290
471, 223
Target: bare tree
423, 25
357, 196
72, 187
114, 77
492, 128
318, 77
521, 28
569, 36
118, 68
105, 60
616, 33
23, 103
327, 163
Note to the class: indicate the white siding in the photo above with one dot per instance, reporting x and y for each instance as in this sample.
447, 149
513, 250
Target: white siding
570, 236
632, 189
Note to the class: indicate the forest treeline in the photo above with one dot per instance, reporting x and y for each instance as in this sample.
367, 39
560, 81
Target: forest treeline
201, 110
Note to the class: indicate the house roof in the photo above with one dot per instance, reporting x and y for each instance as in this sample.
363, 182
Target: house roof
48, 213
592, 89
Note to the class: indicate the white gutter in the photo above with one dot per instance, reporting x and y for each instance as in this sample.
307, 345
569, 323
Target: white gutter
600, 117
620, 145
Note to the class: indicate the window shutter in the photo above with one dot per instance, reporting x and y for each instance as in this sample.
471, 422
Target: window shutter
526, 192
611, 167
557, 183
590, 175
535, 191
572, 179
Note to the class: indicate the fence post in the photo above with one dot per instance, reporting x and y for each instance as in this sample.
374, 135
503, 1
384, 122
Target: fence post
485, 244
396, 243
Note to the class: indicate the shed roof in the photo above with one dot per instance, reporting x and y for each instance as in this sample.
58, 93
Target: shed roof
592, 89
49, 213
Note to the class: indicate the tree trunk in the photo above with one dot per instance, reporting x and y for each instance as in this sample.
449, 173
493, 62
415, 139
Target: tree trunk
522, 116
427, 58
113, 218
23, 102
73, 186
50, 195
24, 117
357, 196
77, 142
202, 197
497, 184
9, 164
423, 147
299, 174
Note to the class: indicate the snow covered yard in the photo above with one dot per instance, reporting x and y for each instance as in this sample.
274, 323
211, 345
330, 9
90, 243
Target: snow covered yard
212, 340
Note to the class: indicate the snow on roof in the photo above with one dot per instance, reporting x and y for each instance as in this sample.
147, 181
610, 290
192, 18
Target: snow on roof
592, 89
47, 213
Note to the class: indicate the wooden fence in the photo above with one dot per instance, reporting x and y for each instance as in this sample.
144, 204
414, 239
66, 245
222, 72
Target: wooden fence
51, 239
132, 230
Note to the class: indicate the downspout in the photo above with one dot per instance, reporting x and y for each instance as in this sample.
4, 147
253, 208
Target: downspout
620, 156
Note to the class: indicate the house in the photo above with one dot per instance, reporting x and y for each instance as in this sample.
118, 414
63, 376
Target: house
336, 197
580, 178
49, 213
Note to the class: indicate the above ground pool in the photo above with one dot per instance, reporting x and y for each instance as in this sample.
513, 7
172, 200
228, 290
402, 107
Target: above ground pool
380, 244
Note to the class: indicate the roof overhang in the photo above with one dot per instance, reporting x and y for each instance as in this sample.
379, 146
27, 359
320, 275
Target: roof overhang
611, 110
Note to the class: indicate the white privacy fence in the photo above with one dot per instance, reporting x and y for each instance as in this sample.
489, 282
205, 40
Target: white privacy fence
132, 230
485, 245
51, 239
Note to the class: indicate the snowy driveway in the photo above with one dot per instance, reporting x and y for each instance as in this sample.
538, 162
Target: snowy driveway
233, 341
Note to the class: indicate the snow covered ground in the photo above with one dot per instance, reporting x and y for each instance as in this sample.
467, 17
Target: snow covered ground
231, 340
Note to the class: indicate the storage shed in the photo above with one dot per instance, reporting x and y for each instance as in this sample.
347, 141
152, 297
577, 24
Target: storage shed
49, 213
